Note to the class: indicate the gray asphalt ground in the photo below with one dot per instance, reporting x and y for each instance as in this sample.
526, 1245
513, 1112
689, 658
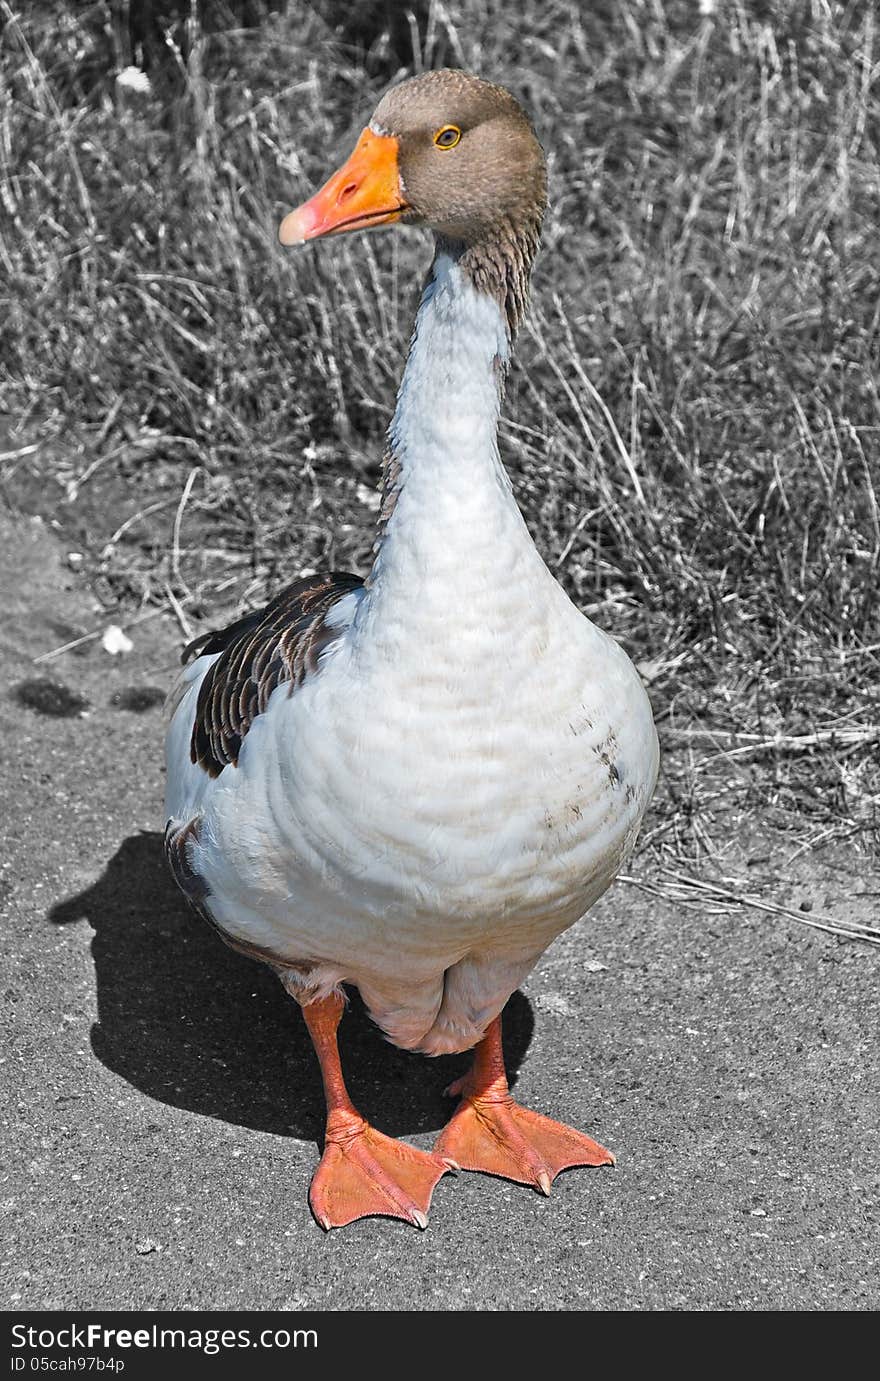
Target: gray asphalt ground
163, 1112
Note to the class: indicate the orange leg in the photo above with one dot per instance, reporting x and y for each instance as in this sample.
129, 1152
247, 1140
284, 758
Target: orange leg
490, 1132
362, 1172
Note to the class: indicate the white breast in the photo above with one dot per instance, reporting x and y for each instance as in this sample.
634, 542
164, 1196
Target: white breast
467, 770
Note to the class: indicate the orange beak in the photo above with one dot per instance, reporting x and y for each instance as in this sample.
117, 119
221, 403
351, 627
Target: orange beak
364, 192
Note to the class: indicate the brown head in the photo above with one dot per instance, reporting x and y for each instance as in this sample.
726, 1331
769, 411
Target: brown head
456, 154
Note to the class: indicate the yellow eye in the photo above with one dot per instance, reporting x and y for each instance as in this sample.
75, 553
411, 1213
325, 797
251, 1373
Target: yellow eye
447, 137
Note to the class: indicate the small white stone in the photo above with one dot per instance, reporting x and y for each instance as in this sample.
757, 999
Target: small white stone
133, 79
115, 641
555, 1004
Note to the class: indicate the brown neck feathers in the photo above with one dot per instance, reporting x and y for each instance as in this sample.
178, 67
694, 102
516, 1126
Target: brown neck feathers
501, 265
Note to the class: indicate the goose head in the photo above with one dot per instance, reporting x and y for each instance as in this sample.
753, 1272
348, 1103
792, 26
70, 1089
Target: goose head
445, 150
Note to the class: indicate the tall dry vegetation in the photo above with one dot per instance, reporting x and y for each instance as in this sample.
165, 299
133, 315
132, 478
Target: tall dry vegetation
693, 422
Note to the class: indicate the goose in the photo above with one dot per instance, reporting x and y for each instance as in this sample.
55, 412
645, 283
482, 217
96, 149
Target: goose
412, 782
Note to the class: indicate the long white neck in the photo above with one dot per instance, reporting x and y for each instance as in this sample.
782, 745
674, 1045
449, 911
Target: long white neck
455, 531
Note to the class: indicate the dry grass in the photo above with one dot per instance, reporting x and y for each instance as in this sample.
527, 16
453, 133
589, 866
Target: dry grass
710, 898
693, 424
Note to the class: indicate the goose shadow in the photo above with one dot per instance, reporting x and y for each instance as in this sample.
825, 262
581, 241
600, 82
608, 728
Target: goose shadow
193, 1024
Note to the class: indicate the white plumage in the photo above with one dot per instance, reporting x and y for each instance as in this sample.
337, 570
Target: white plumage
467, 769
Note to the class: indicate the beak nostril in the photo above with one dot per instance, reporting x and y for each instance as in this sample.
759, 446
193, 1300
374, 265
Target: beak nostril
348, 191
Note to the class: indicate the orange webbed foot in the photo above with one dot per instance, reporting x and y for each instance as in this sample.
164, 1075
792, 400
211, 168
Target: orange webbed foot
362, 1172
499, 1137
489, 1131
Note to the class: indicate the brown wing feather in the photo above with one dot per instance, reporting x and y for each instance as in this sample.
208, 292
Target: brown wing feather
281, 643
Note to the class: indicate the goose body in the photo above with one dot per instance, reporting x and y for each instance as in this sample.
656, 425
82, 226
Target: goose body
444, 765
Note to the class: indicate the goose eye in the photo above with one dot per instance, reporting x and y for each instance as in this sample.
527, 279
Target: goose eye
447, 137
